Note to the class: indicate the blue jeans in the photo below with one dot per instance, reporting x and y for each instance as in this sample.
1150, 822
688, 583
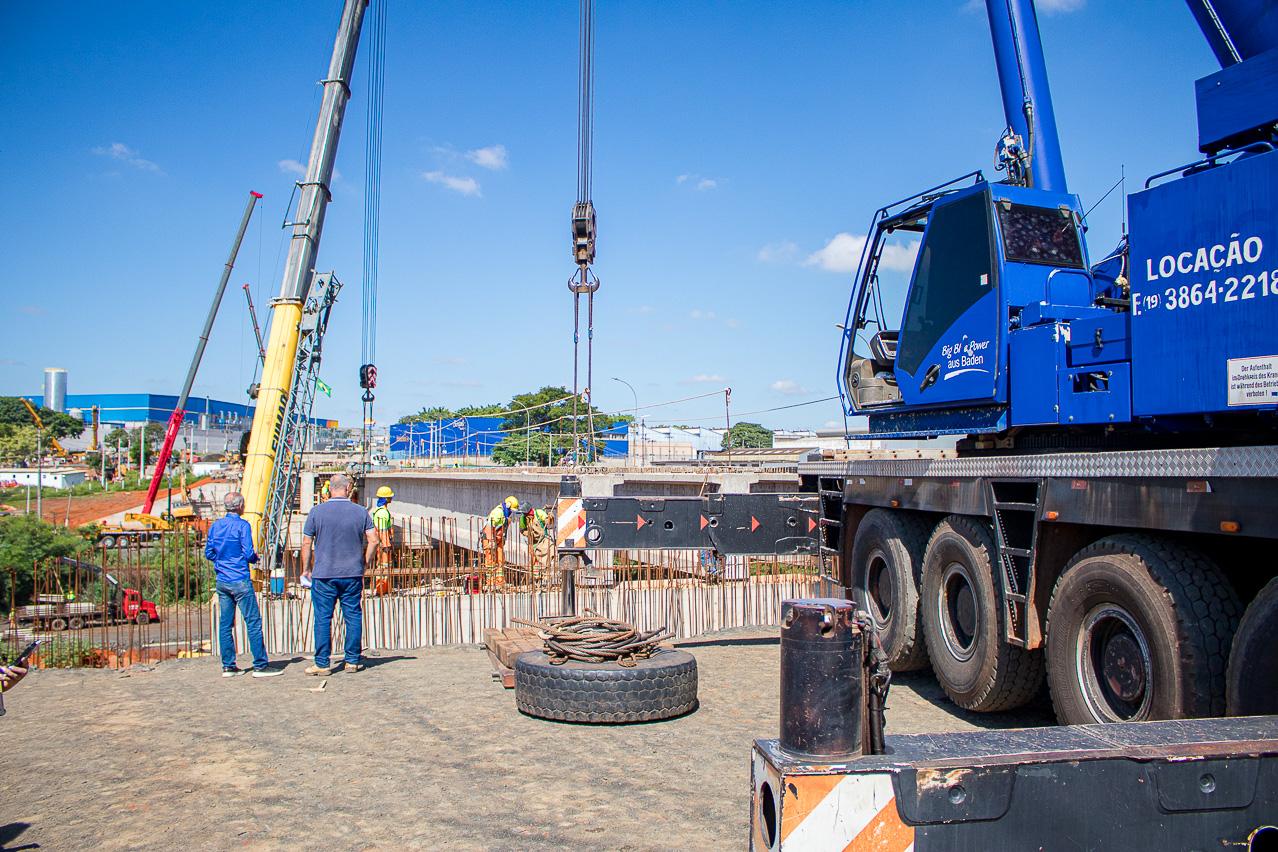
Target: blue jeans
326, 593
231, 595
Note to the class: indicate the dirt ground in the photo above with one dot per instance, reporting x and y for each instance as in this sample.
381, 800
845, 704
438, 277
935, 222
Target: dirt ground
420, 750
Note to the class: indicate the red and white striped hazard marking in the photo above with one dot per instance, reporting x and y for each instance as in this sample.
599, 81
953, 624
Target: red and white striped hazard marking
810, 812
570, 524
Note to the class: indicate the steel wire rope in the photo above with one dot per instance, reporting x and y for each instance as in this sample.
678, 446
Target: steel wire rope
372, 210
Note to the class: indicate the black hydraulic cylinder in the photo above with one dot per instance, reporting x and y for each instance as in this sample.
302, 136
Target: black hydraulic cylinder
823, 685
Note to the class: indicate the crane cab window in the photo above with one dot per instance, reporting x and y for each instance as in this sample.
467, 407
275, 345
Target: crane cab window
1045, 235
953, 272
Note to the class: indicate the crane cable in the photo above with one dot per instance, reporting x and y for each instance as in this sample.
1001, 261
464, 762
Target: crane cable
372, 218
583, 225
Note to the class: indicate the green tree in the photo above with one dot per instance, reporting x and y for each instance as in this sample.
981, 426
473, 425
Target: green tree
429, 414
747, 435
487, 410
17, 443
539, 448
56, 424
25, 539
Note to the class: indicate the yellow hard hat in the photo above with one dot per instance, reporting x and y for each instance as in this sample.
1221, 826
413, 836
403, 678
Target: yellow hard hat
385, 491
513, 503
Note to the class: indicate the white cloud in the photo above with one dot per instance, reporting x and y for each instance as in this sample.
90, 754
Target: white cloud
125, 154
789, 387
463, 185
843, 252
292, 167
705, 379
732, 323
31, 310
641, 309
493, 158
698, 314
782, 252
699, 183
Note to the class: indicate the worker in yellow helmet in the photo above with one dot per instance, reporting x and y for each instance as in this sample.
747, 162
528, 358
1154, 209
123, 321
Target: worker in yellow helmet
384, 524
493, 534
536, 525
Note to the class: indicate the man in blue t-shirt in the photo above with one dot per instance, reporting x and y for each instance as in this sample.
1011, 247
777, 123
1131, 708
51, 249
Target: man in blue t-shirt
230, 548
339, 538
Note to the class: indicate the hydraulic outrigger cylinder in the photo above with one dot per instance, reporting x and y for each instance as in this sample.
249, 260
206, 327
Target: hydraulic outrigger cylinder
278, 371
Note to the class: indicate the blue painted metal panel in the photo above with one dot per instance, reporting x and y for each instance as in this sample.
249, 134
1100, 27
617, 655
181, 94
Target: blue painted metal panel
1100, 340
1204, 264
1033, 354
476, 437
1238, 104
1098, 394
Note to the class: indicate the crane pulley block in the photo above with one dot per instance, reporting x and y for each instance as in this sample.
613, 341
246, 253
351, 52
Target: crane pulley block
583, 233
367, 376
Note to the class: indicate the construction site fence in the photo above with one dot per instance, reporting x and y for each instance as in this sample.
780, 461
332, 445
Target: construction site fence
433, 586
112, 607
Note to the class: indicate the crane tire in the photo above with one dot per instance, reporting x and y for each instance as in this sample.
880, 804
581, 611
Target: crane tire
964, 622
660, 687
1253, 662
1138, 629
886, 566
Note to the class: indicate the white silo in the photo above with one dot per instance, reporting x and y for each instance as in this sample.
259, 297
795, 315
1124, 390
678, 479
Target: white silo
55, 388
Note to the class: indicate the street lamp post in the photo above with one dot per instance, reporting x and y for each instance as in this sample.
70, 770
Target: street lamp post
635, 421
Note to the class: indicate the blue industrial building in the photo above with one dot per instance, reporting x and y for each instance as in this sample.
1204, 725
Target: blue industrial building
475, 437
133, 409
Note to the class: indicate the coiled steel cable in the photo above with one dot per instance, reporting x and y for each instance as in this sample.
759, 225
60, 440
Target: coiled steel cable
591, 639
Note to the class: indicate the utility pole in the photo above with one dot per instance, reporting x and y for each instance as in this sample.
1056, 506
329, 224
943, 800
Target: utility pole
635, 418
39, 473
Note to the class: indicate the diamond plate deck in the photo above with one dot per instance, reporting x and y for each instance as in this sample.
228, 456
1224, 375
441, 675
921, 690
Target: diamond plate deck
1231, 462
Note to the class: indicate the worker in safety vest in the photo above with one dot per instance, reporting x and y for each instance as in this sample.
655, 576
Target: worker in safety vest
493, 534
384, 524
323, 491
536, 525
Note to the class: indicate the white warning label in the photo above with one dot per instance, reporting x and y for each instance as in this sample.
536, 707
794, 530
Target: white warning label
1253, 381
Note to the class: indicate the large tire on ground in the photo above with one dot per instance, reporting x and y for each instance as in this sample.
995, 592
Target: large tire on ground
1139, 628
886, 564
964, 622
1252, 678
660, 687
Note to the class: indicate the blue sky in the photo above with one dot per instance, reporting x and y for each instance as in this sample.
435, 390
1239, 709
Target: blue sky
735, 142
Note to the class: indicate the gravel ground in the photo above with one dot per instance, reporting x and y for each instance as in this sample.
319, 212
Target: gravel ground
420, 750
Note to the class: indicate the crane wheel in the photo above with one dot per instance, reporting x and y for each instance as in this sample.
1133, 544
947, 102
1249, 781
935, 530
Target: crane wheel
660, 687
1139, 629
1253, 662
886, 565
964, 622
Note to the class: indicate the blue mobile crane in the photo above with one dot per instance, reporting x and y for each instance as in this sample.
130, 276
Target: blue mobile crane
1109, 510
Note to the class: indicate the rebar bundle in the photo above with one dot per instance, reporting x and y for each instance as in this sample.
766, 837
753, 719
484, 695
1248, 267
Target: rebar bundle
591, 639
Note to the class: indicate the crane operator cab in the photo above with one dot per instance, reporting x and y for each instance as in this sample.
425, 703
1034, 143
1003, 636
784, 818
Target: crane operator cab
944, 277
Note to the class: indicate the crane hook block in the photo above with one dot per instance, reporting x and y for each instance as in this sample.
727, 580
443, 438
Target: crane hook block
583, 233
367, 376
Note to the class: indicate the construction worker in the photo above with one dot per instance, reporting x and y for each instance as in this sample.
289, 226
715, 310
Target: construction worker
324, 491
536, 526
384, 524
493, 534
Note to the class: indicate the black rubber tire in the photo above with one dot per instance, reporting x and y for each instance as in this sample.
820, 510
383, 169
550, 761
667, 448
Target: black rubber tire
142, 618
75, 623
107, 541
58, 625
660, 687
894, 542
1252, 678
991, 674
1184, 607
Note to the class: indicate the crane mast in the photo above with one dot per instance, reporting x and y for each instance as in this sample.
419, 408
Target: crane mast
278, 371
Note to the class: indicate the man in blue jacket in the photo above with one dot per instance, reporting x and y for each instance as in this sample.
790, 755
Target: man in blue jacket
230, 548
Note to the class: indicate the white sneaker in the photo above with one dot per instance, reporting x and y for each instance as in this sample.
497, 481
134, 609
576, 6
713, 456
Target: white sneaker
231, 672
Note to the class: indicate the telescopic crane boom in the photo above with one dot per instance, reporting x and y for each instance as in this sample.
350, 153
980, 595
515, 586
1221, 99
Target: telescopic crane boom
279, 369
179, 410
